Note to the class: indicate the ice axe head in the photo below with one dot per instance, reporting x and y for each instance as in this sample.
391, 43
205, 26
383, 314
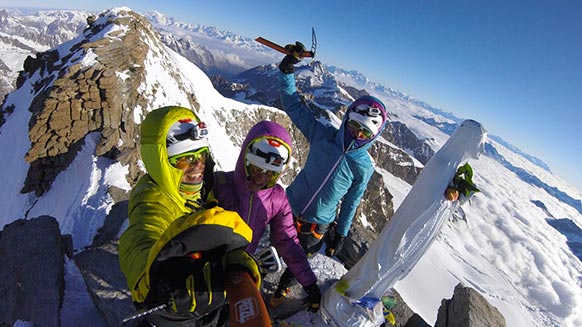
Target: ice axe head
296, 50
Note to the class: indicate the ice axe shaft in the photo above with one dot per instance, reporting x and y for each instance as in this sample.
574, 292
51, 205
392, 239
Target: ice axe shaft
304, 54
143, 312
275, 46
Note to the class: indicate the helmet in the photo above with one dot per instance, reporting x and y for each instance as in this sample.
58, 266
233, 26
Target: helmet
369, 111
186, 135
268, 153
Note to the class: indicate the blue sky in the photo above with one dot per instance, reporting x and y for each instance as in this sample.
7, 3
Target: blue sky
515, 66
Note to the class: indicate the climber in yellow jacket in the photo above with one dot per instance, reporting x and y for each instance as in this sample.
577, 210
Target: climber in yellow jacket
179, 243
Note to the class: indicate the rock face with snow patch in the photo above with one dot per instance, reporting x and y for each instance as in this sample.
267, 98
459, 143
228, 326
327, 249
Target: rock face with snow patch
32, 271
399, 134
91, 88
394, 160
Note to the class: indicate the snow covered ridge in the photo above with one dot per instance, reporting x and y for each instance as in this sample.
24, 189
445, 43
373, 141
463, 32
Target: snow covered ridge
506, 249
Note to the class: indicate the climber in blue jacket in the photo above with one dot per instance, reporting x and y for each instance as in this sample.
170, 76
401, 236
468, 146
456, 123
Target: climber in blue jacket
338, 166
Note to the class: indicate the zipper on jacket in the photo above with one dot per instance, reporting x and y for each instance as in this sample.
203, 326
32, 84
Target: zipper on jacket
326, 179
250, 208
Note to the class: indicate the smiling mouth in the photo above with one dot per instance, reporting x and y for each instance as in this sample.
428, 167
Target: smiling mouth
196, 176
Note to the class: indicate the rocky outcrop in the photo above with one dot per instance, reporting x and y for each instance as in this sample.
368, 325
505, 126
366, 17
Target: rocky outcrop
395, 161
468, 308
106, 285
354, 92
75, 98
400, 135
6, 81
100, 93
32, 271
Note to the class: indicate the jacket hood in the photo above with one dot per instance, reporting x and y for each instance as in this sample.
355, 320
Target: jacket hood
155, 155
260, 130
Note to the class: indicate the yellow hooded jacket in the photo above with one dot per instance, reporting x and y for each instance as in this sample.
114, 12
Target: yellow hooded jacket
161, 222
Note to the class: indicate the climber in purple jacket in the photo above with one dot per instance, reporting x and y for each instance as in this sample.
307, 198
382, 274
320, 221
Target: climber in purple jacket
252, 191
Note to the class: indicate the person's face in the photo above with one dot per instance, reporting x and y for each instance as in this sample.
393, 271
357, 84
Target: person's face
193, 167
259, 178
358, 131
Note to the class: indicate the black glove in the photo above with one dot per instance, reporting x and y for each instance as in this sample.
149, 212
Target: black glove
183, 283
240, 258
335, 246
313, 297
295, 53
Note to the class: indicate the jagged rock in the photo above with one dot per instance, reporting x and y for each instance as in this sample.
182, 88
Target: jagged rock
81, 99
105, 282
226, 88
468, 308
355, 93
112, 225
400, 135
415, 321
32, 271
395, 161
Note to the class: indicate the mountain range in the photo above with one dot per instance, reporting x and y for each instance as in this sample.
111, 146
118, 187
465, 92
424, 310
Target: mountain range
79, 84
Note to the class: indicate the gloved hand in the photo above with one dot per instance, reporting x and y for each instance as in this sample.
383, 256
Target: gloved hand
294, 56
313, 297
190, 283
451, 194
335, 246
240, 258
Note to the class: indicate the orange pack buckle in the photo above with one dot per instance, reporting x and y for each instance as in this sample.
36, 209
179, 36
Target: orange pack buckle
312, 227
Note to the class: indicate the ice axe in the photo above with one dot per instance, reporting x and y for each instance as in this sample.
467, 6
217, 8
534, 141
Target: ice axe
304, 54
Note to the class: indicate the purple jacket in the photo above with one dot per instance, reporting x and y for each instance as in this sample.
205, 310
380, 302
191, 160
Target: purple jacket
267, 206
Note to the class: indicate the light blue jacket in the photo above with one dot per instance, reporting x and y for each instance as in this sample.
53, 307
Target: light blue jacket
333, 172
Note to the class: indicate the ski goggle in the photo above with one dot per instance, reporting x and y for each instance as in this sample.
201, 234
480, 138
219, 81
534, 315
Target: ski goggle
367, 110
257, 171
190, 158
358, 129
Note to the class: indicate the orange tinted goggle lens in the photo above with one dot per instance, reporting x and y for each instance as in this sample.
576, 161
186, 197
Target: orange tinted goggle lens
358, 127
254, 170
190, 158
